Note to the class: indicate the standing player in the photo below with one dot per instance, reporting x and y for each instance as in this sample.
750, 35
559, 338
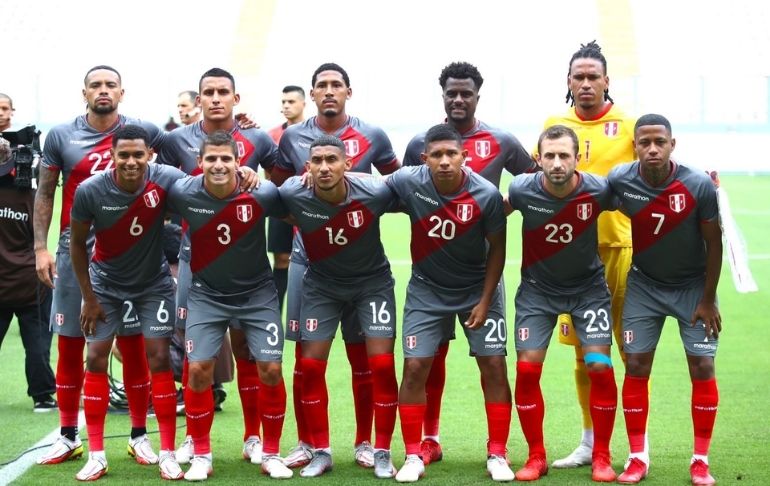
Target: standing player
366, 146
339, 222
675, 271
231, 279
217, 100
125, 206
490, 150
77, 150
280, 233
606, 137
188, 107
458, 254
561, 272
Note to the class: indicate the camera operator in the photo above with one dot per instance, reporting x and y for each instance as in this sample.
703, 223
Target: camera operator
21, 292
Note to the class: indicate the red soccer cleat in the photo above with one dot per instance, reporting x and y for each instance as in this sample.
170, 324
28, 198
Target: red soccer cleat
601, 469
430, 451
636, 470
699, 472
534, 469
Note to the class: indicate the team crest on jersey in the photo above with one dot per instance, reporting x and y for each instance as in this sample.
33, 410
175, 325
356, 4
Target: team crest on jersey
241, 148
355, 218
151, 199
188, 346
59, 319
584, 211
411, 342
565, 329
611, 129
628, 336
311, 324
523, 333
676, 202
352, 147
293, 325
483, 148
465, 212
243, 213
181, 312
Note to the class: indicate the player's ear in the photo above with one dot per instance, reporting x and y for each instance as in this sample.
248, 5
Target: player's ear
464, 154
350, 92
424, 156
122, 92
237, 98
200, 161
348, 164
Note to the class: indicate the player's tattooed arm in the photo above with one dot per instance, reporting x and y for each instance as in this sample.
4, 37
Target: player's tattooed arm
707, 310
91, 312
494, 270
45, 264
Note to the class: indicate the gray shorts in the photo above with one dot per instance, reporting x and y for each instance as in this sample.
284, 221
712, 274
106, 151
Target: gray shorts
646, 308
148, 310
537, 312
372, 301
184, 281
429, 316
351, 330
257, 312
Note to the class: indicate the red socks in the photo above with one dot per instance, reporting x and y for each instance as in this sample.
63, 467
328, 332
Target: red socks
362, 390
272, 400
164, 403
385, 398
248, 389
69, 378
705, 398
315, 401
199, 410
136, 378
530, 405
603, 402
303, 432
96, 398
412, 416
498, 427
434, 390
636, 405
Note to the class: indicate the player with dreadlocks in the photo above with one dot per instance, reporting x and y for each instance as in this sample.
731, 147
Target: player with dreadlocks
606, 137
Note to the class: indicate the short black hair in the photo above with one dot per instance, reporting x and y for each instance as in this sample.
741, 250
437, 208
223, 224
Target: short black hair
591, 50
190, 93
556, 132
652, 119
130, 132
461, 70
4, 96
442, 132
216, 72
330, 66
219, 138
292, 88
100, 67
328, 141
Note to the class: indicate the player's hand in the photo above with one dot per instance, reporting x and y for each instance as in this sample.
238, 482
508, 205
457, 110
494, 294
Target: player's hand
306, 179
249, 178
5, 151
45, 266
245, 121
714, 177
477, 317
90, 313
709, 314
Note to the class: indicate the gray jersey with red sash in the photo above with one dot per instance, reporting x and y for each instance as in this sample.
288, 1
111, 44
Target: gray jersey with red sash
559, 239
665, 222
448, 246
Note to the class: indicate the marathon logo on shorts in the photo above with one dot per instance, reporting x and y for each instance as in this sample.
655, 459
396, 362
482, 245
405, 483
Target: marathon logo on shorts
411, 342
311, 324
181, 312
584, 211
523, 333
676, 202
243, 213
241, 149
611, 129
628, 336
151, 199
188, 346
59, 319
483, 148
464, 212
352, 147
355, 218
293, 325
565, 329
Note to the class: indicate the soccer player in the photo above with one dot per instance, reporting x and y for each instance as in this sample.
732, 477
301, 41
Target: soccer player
458, 254
188, 107
77, 150
231, 279
125, 206
280, 233
490, 150
367, 146
217, 99
675, 271
339, 222
561, 272
605, 134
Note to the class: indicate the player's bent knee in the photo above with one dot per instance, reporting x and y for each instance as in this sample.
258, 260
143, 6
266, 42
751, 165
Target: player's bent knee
269, 372
597, 361
98, 356
416, 372
701, 367
638, 364
201, 375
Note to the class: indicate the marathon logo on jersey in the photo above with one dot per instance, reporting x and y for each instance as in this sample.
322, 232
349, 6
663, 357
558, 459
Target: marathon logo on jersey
628, 337
243, 213
584, 211
523, 333
59, 319
611, 129
483, 148
565, 330
188, 346
151, 199
411, 342
464, 212
352, 147
356, 218
293, 325
181, 312
311, 324
241, 149
676, 202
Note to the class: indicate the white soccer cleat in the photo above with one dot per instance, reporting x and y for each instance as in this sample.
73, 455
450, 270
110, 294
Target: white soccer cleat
299, 456
169, 468
383, 465
200, 469
412, 470
321, 463
579, 457
95, 468
364, 454
273, 466
498, 468
185, 452
62, 450
252, 450
141, 450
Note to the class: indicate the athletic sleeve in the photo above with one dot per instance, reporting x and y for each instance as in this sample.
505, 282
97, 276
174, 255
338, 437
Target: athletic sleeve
52, 151
81, 206
413, 150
